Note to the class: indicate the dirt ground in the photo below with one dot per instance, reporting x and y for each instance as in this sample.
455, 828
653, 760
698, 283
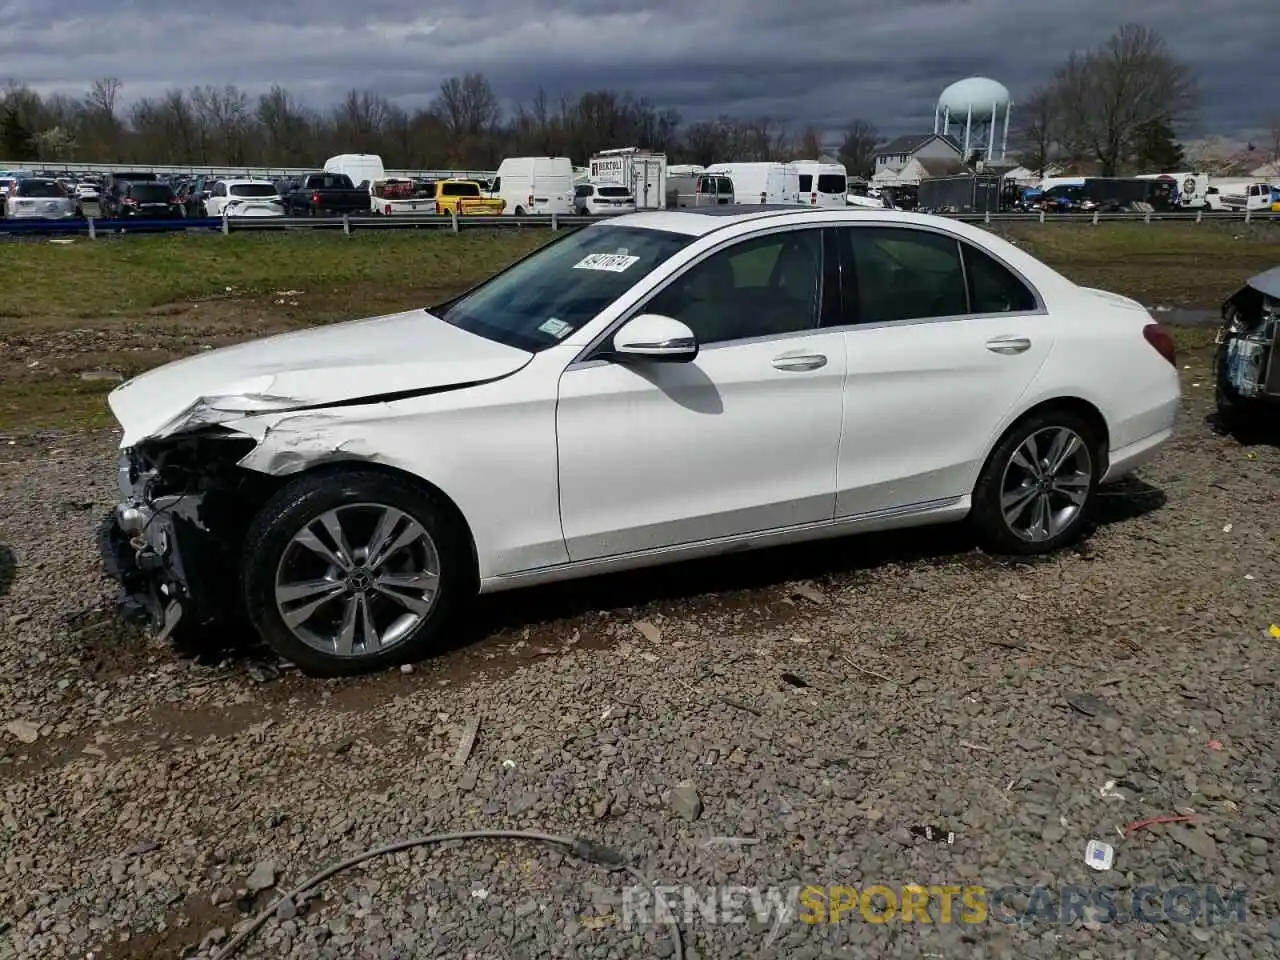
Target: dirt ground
90, 313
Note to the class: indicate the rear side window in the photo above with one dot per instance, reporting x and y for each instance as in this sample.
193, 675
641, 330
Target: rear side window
993, 287
806, 183
904, 274
831, 183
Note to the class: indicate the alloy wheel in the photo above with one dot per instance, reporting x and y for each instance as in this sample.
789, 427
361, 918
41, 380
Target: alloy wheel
357, 580
1046, 484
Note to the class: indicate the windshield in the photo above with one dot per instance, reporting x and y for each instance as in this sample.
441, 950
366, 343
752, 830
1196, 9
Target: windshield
541, 300
253, 190
39, 188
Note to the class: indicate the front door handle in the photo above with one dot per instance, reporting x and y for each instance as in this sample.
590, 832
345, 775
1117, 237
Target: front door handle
793, 362
1008, 345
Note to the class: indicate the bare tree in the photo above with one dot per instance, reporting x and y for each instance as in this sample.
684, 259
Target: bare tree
810, 144
104, 97
1109, 94
707, 142
1273, 134
468, 106
858, 149
1039, 129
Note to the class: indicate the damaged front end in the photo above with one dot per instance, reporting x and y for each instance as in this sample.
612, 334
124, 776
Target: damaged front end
1247, 364
174, 541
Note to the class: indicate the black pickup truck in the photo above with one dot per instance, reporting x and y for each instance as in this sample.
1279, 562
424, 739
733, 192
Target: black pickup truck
319, 193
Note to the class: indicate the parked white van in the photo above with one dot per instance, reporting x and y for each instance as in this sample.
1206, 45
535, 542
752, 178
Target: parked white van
761, 182
535, 185
822, 184
364, 169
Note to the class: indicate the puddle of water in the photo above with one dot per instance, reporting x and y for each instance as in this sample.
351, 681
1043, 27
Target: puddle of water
1181, 317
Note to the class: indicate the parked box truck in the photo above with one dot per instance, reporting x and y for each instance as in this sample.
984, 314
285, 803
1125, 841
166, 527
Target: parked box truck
644, 172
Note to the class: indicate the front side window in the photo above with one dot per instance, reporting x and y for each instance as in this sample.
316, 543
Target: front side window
539, 301
759, 287
904, 274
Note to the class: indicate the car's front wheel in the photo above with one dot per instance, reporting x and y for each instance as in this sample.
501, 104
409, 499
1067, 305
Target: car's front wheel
353, 570
1037, 489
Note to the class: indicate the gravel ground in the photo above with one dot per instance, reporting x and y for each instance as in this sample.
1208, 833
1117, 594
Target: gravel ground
816, 704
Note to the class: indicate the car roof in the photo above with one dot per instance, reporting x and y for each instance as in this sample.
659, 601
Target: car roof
697, 222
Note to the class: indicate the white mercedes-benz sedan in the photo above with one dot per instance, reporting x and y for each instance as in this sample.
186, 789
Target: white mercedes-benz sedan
657, 387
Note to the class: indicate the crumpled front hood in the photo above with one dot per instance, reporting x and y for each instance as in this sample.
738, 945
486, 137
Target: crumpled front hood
343, 362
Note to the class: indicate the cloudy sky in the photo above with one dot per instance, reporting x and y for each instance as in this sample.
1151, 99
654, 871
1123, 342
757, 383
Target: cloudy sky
815, 61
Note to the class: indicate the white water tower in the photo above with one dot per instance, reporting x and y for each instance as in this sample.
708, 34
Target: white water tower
982, 105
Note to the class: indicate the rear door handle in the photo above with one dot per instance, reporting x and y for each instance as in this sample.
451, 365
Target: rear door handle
799, 362
1008, 345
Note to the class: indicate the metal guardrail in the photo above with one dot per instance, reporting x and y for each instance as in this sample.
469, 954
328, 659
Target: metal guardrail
349, 224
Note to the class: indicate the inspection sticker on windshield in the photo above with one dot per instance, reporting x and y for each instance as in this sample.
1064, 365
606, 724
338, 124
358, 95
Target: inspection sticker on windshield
556, 328
608, 262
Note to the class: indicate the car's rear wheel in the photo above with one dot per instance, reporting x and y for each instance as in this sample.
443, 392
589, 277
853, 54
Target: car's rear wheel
354, 570
1038, 487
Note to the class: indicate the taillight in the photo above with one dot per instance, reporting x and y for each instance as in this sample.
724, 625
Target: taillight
315, 198
813, 199
1159, 338
129, 201
531, 200
387, 211
764, 198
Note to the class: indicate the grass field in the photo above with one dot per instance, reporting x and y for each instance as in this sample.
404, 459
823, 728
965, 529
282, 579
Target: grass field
73, 315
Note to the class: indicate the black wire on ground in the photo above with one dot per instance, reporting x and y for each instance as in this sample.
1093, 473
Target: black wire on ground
579, 847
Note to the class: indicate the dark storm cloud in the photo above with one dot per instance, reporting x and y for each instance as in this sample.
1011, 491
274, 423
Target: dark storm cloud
817, 61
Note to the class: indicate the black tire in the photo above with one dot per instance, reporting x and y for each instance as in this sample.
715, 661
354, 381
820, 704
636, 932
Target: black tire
519, 211
987, 516
300, 503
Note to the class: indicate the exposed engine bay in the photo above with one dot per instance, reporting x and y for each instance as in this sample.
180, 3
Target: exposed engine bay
1247, 364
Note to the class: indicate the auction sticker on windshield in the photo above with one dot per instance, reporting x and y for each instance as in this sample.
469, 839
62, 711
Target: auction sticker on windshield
556, 328
608, 262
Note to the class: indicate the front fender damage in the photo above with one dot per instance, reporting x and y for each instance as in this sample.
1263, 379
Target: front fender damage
290, 443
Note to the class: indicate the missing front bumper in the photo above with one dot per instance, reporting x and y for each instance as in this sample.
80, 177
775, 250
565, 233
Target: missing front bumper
168, 565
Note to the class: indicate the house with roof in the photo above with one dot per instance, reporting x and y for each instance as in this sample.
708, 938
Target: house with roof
911, 158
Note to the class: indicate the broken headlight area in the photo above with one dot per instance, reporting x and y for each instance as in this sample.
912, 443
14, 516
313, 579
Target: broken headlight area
174, 541
1248, 358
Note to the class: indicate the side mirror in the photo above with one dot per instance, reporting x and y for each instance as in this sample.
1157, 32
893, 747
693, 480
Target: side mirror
653, 337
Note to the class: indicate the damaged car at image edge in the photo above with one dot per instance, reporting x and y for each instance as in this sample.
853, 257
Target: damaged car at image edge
1247, 361
660, 387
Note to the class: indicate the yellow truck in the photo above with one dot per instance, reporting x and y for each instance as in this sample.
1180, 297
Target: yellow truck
466, 197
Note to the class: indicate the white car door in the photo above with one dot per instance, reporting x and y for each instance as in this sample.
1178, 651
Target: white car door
943, 340
742, 439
